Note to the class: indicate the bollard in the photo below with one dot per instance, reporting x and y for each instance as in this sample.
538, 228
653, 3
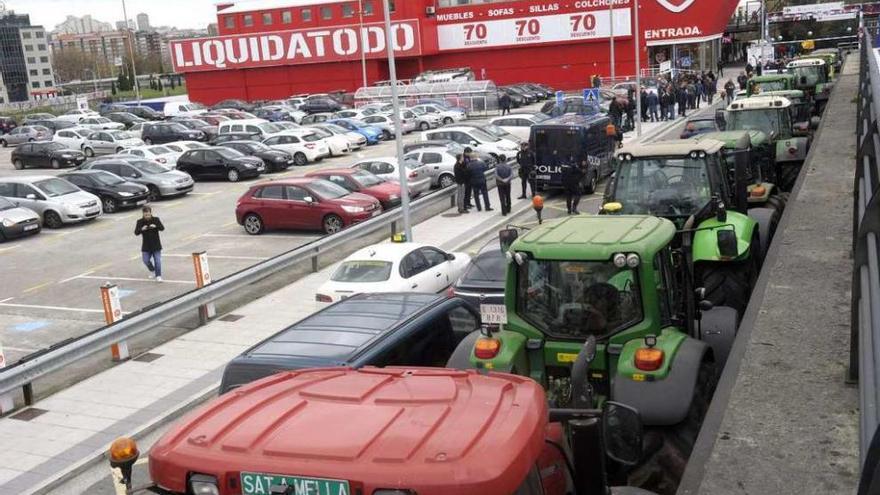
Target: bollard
203, 278
112, 314
7, 403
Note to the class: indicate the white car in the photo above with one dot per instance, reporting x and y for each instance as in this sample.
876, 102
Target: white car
350, 113
173, 108
261, 127
519, 124
109, 142
423, 120
440, 163
338, 144
305, 145
77, 114
393, 267
356, 140
418, 175
500, 149
184, 146
286, 126
157, 152
72, 137
386, 123
137, 129
101, 124
496, 131
447, 116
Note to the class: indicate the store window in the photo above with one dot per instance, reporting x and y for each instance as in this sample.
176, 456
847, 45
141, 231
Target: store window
347, 10
267, 19
306, 15
44, 60
368, 7
286, 17
229, 22
326, 13
248, 20
391, 6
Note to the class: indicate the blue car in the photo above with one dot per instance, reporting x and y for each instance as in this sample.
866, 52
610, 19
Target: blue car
373, 134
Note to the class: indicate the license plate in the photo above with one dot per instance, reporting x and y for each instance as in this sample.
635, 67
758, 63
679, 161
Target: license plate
254, 483
91, 211
141, 202
31, 227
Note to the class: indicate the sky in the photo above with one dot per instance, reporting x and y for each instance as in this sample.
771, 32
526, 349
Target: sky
179, 13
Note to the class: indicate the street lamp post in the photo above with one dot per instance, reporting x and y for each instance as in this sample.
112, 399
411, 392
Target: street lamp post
131, 40
638, 93
392, 73
363, 44
611, 36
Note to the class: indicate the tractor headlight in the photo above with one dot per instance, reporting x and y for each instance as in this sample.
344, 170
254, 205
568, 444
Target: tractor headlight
632, 260
520, 258
203, 484
619, 260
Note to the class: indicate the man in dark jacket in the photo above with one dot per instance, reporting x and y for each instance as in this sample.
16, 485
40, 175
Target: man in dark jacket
503, 179
572, 175
477, 170
729, 91
504, 103
682, 97
462, 184
615, 111
643, 101
148, 227
526, 160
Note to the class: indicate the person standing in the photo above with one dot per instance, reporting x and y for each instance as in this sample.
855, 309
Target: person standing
462, 183
526, 160
503, 179
477, 174
572, 175
682, 100
720, 68
729, 90
504, 102
148, 227
643, 100
615, 111
653, 102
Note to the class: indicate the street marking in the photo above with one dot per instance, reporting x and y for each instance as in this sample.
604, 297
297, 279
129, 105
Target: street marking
75, 277
130, 279
30, 326
10, 248
19, 349
126, 292
217, 257
56, 308
98, 267
230, 224
36, 287
7, 299
251, 236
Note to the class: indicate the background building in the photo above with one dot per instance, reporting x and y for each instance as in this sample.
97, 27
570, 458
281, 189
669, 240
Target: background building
25, 64
82, 25
120, 25
143, 22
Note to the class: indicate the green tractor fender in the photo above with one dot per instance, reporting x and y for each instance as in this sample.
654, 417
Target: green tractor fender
511, 357
793, 149
663, 397
705, 244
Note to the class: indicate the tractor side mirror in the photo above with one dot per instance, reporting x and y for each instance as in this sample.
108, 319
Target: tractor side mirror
506, 237
581, 390
720, 209
726, 243
622, 433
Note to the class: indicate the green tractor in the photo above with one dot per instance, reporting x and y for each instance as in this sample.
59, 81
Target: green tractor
770, 82
625, 281
815, 78
772, 115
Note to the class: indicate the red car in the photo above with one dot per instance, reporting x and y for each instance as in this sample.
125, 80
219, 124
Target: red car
306, 203
364, 182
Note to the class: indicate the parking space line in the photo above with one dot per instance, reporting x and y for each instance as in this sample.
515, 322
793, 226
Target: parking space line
10, 248
217, 257
36, 287
57, 308
75, 277
131, 279
7, 299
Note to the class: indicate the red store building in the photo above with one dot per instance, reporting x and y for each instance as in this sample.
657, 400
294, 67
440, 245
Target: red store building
270, 49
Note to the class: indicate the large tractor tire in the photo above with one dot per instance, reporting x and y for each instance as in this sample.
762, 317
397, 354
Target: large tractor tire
788, 174
461, 357
768, 220
728, 284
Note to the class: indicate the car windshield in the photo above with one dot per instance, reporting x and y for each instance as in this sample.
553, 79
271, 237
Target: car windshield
176, 127
5, 204
54, 146
769, 121
667, 187
149, 167
311, 137
335, 129
229, 153
487, 267
257, 146
270, 128
810, 75
55, 187
778, 85
484, 136
120, 135
575, 299
367, 179
101, 120
324, 133
175, 147
540, 117
107, 178
159, 150
419, 111
362, 271
84, 133
328, 190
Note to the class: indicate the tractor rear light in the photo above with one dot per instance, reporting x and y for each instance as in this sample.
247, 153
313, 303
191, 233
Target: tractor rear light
792, 150
323, 298
648, 359
758, 191
486, 347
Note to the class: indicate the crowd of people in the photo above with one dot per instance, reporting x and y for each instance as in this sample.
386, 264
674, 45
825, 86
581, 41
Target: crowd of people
671, 97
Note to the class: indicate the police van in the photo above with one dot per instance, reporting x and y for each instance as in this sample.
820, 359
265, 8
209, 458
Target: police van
567, 140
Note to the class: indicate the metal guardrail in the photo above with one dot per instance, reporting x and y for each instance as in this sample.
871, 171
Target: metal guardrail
864, 365
41, 363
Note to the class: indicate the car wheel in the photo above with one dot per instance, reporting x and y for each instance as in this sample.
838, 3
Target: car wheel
56, 164
446, 180
253, 224
154, 194
30, 140
424, 126
17, 164
148, 141
447, 120
109, 205
386, 135
52, 220
232, 175
299, 159
333, 224
4, 143
591, 185
119, 150
89, 152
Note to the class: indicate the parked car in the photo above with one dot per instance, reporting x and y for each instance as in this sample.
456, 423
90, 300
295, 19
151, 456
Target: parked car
317, 104
305, 203
137, 130
284, 125
356, 140
500, 149
450, 146
115, 192
316, 118
483, 280
213, 119
199, 125
447, 116
393, 267
173, 108
161, 181
125, 118
418, 176
496, 131
37, 116
234, 104
159, 153
101, 124
7, 124
55, 124
145, 112
25, 134
72, 138
16, 221
235, 136
519, 124
106, 108
235, 114
440, 164
46, 154
56, 200
699, 125
220, 163
167, 132
108, 142
350, 113
261, 127
76, 115
386, 124
184, 146
277, 113
442, 104
275, 160
378, 329
338, 144
422, 120
372, 133
364, 182
305, 145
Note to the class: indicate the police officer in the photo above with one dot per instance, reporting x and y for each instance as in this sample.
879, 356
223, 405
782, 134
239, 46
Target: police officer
573, 174
526, 160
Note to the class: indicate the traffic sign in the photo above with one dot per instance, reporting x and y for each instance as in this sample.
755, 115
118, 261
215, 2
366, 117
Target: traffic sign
591, 96
560, 98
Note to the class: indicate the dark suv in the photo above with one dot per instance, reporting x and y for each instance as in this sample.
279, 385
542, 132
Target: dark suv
321, 104
391, 329
145, 113
167, 132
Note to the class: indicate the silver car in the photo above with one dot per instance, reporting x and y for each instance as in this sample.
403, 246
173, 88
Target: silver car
418, 176
16, 221
26, 134
386, 123
57, 201
440, 163
162, 181
107, 142
425, 120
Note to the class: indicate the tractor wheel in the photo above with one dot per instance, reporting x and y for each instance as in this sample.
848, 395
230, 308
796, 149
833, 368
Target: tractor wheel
729, 284
776, 202
768, 220
461, 357
788, 176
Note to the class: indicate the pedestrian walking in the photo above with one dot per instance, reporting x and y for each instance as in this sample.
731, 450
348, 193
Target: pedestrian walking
526, 160
477, 174
630, 114
148, 227
462, 183
504, 102
729, 91
503, 179
643, 100
572, 175
720, 68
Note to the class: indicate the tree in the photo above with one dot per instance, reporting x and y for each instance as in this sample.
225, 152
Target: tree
72, 64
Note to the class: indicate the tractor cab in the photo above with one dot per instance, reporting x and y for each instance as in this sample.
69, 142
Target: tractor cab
747, 149
814, 77
770, 82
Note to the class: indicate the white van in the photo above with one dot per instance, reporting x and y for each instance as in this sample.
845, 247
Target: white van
261, 127
173, 108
